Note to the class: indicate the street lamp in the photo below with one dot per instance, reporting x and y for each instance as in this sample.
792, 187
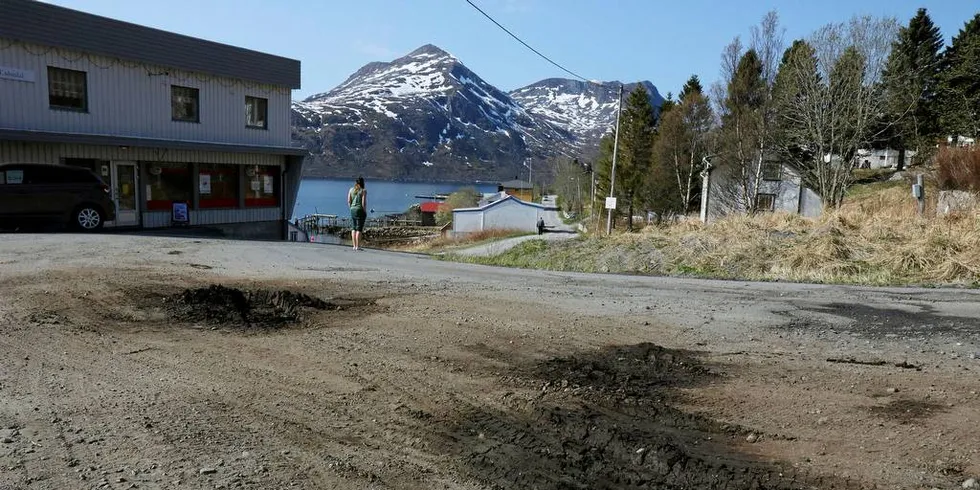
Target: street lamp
612, 177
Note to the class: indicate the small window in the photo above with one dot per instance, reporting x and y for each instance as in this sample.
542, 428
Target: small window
881, 157
256, 110
765, 202
218, 185
67, 89
772, 171
184, 103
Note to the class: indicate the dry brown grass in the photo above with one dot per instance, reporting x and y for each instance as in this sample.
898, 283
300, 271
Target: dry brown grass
875, 238
959, 169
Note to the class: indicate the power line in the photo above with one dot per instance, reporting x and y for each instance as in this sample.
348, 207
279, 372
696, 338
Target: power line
528, 46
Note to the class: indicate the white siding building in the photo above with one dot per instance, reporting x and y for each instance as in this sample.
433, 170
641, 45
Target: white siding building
162, 118
780, 189
881, 158
508, 213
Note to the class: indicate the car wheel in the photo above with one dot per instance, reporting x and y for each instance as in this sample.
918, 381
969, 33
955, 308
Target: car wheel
88, 218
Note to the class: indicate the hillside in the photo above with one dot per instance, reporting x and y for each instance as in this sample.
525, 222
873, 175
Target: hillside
875, 238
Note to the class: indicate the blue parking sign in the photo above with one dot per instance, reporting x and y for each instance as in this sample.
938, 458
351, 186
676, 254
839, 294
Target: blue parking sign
180, 214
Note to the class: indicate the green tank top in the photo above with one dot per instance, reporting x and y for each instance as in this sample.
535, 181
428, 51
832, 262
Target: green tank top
356, 200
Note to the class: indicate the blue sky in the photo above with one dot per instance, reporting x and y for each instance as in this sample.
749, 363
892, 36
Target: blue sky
627, 40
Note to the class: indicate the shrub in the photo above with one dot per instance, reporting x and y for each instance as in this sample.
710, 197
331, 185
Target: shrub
463, 198
959, 169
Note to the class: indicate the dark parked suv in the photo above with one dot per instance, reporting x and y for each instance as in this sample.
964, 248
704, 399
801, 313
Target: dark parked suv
32, 193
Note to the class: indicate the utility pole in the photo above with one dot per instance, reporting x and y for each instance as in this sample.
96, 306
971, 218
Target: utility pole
529, 163
612, 177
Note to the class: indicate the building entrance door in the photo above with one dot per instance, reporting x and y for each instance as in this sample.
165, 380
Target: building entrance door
125, 193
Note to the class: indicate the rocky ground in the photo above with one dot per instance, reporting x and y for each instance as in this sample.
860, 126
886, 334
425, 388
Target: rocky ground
135, 362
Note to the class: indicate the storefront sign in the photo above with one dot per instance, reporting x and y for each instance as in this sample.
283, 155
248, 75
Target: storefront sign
180, 214
15, 176
205, 185
8, 73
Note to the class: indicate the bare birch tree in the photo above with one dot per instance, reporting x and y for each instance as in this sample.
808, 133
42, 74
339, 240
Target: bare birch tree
830, 101
747, 114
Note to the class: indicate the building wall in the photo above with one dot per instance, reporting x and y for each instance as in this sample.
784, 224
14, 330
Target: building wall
510, 215
24, 152
522, 194
723, 201
133, 99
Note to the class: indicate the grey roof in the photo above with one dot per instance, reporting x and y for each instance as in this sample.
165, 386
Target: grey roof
96, 139
516, 184
50, 25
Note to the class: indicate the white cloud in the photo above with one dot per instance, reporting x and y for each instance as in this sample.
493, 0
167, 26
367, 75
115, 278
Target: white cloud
377, 51
516, 6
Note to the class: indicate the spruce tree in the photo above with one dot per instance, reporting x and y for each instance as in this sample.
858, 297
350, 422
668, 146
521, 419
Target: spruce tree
960, 83
742, 128
635, 147
911, 82
693, 85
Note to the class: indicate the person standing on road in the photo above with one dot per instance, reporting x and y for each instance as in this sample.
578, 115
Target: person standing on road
357, 202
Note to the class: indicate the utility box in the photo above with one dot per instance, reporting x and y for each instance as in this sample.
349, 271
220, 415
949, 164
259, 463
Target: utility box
917, 191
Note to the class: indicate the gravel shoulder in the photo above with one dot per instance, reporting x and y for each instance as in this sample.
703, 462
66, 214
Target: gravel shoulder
390, 370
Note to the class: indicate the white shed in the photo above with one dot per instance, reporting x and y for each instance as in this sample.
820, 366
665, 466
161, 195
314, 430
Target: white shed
508, 213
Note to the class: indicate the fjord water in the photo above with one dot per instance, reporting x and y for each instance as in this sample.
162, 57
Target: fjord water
329, 196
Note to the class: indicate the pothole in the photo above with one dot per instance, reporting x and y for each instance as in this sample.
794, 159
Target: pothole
219, 305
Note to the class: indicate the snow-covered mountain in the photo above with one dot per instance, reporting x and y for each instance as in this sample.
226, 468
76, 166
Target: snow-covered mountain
586, 110
427, 116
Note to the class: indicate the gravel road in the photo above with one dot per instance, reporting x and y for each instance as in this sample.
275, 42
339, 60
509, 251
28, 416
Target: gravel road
155, 362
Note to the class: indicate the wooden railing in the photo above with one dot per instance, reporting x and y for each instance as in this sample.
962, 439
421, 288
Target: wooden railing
331, 223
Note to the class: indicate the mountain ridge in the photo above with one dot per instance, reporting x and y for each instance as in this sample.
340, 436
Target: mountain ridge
426, 116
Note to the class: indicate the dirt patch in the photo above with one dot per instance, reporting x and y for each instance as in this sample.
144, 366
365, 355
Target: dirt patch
906, 411
877, 322
606, 420
226, 306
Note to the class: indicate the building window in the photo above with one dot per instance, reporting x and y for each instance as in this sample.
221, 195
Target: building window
218, 185
765, 202
184, 103
168, 183
67, 89
772, 171
256, 110
262, 186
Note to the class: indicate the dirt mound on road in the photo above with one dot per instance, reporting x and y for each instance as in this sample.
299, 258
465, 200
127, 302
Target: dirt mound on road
607, 419
221, 305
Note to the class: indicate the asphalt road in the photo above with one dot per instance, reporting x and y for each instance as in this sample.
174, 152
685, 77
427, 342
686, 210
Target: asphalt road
682, 301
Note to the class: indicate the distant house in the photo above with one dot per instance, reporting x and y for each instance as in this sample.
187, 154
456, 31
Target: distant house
428, 212
507, 213
781, 189
961, 141
517, 188
886, 158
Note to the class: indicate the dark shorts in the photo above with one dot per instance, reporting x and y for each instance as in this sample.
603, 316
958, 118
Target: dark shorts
358, 217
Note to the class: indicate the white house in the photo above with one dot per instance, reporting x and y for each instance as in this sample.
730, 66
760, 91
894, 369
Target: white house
508, 213
886, 158
780, 189
163, 118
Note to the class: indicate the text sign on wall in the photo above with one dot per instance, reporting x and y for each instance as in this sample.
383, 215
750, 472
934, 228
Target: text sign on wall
8, 73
